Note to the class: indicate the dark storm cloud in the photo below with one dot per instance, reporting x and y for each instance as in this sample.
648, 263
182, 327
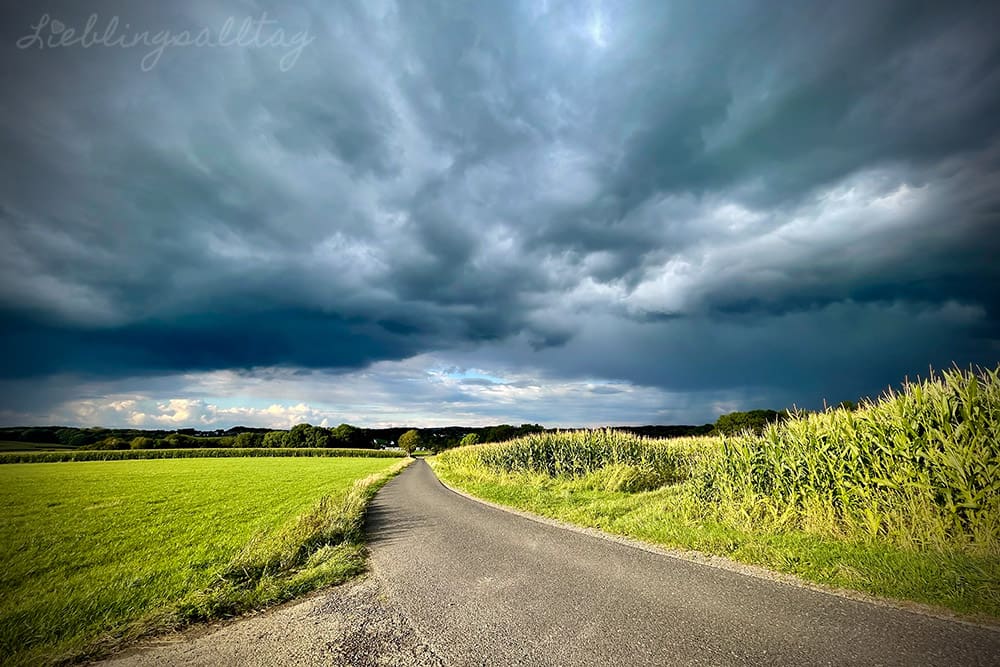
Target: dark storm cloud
796, 197
260, 338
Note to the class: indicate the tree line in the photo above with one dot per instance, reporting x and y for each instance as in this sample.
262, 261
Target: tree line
348, 436
302, 435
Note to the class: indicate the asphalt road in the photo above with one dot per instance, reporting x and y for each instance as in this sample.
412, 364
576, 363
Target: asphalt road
487, 587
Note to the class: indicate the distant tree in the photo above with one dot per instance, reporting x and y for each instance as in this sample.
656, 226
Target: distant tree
847, 405
346, 435
469, 439
74, 437
38, 435
299, 436
307, 435
110, 442
142, 442
499, 433
319, 437
409, 442
180, 440
754, 420
437, 442
343, 434
507, 432
248, 439
274, 439
94, 434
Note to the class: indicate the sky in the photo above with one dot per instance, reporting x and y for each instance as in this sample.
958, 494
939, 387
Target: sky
432, 213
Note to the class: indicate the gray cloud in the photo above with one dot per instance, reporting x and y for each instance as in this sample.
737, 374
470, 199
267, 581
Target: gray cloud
781, 202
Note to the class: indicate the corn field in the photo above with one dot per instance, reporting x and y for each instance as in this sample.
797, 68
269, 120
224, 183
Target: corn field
575, 454
919, 467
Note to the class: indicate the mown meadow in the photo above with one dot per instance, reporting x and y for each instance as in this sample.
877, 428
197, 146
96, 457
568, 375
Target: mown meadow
94, 554
899, 498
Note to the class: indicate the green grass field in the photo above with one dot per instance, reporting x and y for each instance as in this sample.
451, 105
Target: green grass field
900, 498
92, 554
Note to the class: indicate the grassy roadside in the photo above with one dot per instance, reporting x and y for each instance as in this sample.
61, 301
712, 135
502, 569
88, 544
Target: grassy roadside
963, 583
899, 499
96, 555
320, 547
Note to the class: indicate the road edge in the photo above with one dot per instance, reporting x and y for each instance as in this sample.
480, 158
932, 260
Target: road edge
755, 571
103, 650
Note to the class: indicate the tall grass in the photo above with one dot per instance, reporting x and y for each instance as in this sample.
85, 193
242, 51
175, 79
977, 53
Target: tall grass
919, 468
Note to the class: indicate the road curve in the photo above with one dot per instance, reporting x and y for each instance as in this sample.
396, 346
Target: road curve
487, 587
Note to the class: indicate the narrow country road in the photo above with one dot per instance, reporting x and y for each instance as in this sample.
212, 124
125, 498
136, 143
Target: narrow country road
487, 587
455, 582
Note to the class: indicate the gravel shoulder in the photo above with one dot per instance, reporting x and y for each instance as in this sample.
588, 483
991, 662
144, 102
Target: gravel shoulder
350, 625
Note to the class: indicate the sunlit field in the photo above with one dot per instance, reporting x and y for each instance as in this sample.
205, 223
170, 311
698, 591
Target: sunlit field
900, 497
94, 553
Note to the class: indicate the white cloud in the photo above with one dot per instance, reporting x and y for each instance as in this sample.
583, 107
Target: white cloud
427, 390
851, 230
